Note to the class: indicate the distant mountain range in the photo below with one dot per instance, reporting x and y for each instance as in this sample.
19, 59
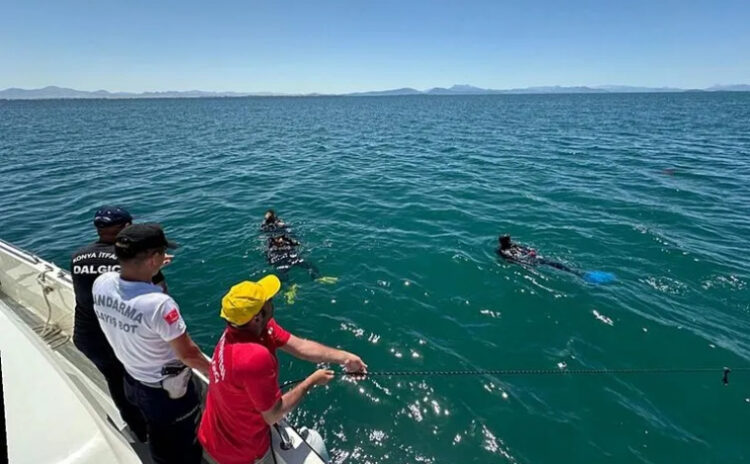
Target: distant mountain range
471, 90
53, 92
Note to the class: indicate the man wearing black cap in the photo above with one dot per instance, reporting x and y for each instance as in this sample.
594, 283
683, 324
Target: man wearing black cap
87, 264
147, 333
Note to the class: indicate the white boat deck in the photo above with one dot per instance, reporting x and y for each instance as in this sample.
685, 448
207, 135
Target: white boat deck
49, 417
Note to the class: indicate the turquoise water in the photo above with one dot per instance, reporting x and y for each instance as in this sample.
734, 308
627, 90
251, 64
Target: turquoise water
402, 199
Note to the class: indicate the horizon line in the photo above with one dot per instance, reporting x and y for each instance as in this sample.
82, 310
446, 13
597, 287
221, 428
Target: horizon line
53, 92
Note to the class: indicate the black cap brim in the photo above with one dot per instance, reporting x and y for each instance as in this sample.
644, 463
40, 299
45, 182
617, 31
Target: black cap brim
172, 245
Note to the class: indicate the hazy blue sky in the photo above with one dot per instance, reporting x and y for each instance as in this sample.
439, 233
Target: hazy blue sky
341, 46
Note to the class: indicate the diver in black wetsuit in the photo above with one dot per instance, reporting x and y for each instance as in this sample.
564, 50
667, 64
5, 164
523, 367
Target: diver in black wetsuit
281, 253
272, 223
281, 247
524, 255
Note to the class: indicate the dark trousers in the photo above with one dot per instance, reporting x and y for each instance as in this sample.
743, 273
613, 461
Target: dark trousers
94, 346
172, 424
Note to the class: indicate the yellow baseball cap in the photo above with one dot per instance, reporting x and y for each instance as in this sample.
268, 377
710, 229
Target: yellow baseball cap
245, 300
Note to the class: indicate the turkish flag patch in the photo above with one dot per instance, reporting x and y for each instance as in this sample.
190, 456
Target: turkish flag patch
172, 316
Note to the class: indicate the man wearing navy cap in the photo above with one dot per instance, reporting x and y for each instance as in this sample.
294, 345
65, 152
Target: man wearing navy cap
87, 264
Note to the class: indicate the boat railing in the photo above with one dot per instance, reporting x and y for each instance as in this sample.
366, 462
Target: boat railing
43, 288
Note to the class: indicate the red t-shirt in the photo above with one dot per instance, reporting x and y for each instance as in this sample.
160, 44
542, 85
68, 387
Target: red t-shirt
244, 381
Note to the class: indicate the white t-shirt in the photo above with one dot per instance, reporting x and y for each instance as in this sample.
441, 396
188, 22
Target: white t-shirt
138, 320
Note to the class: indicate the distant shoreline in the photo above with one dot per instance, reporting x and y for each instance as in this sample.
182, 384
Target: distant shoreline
209, 97
59, 93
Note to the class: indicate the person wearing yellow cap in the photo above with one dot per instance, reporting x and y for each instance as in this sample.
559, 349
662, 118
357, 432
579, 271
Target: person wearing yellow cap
244, 399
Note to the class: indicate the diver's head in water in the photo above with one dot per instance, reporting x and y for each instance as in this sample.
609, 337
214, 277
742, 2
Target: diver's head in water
504, 242
269, 217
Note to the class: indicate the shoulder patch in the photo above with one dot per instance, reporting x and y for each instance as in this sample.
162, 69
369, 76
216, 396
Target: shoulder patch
172, 316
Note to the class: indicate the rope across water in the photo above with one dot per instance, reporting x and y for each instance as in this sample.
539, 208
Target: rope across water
519, 372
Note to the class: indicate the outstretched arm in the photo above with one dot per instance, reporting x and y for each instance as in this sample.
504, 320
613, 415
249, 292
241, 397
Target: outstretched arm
317, 352
292, 398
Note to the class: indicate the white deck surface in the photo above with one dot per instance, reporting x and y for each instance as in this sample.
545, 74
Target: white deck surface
47, 418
